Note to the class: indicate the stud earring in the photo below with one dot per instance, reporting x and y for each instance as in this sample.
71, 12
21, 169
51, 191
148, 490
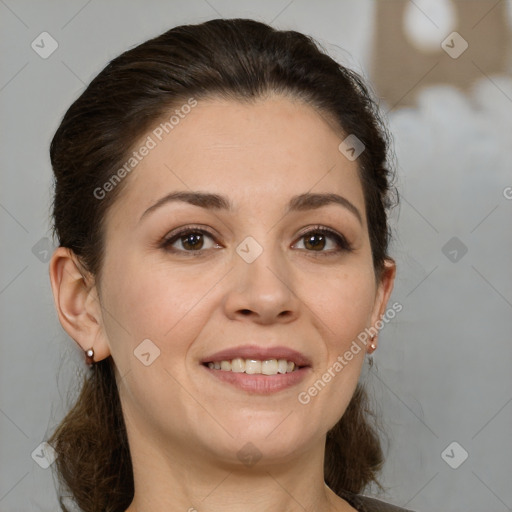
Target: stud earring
89, 356
373, 345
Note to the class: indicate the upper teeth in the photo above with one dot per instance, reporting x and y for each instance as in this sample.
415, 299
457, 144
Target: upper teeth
252, 366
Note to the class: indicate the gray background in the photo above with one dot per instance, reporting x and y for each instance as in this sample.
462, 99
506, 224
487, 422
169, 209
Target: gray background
443, 365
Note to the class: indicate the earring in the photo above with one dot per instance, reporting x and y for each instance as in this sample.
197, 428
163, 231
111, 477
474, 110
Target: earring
373, 346
89, 356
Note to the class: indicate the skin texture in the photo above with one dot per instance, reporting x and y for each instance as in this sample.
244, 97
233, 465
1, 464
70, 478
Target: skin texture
185, 426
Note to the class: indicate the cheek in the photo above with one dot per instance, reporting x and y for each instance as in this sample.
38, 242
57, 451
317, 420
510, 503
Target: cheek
164, 307
342, 307
152, 302
167, 306
344, 304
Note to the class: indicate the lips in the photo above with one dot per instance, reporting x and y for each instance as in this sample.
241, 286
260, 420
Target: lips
258, 383
259, 353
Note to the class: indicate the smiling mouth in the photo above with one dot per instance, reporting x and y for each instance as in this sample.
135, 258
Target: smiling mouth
254, 366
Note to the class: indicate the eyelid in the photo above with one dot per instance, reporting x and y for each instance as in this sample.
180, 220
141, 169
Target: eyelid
188, 227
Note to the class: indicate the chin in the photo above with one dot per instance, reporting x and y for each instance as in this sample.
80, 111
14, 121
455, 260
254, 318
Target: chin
276, 440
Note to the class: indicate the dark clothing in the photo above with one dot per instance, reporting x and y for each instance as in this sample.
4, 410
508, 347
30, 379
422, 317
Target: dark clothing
365, 504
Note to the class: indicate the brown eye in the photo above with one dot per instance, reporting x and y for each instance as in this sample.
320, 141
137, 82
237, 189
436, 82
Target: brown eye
324, 241
189, 240
192, 241
314, 242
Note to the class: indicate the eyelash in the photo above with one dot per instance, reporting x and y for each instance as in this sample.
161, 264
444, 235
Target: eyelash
340, 240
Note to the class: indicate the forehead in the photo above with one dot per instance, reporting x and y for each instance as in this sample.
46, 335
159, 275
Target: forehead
264, 151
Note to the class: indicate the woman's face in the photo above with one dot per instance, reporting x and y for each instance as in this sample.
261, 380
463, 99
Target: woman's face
257, 280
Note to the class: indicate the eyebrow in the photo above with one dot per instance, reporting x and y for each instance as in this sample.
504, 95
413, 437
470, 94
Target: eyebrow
302, 202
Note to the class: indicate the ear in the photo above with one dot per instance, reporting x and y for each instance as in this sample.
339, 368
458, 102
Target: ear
77, 302
384, 289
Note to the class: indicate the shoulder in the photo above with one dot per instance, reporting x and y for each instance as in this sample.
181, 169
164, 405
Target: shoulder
366, 504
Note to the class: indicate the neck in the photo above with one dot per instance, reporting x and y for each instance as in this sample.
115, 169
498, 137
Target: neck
179, 479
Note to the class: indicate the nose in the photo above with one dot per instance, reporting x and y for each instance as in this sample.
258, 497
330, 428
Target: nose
262, 291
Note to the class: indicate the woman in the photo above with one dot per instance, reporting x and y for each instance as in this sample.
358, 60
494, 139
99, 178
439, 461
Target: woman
220, 205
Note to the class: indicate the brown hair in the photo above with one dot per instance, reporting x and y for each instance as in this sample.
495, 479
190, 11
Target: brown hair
236, 59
